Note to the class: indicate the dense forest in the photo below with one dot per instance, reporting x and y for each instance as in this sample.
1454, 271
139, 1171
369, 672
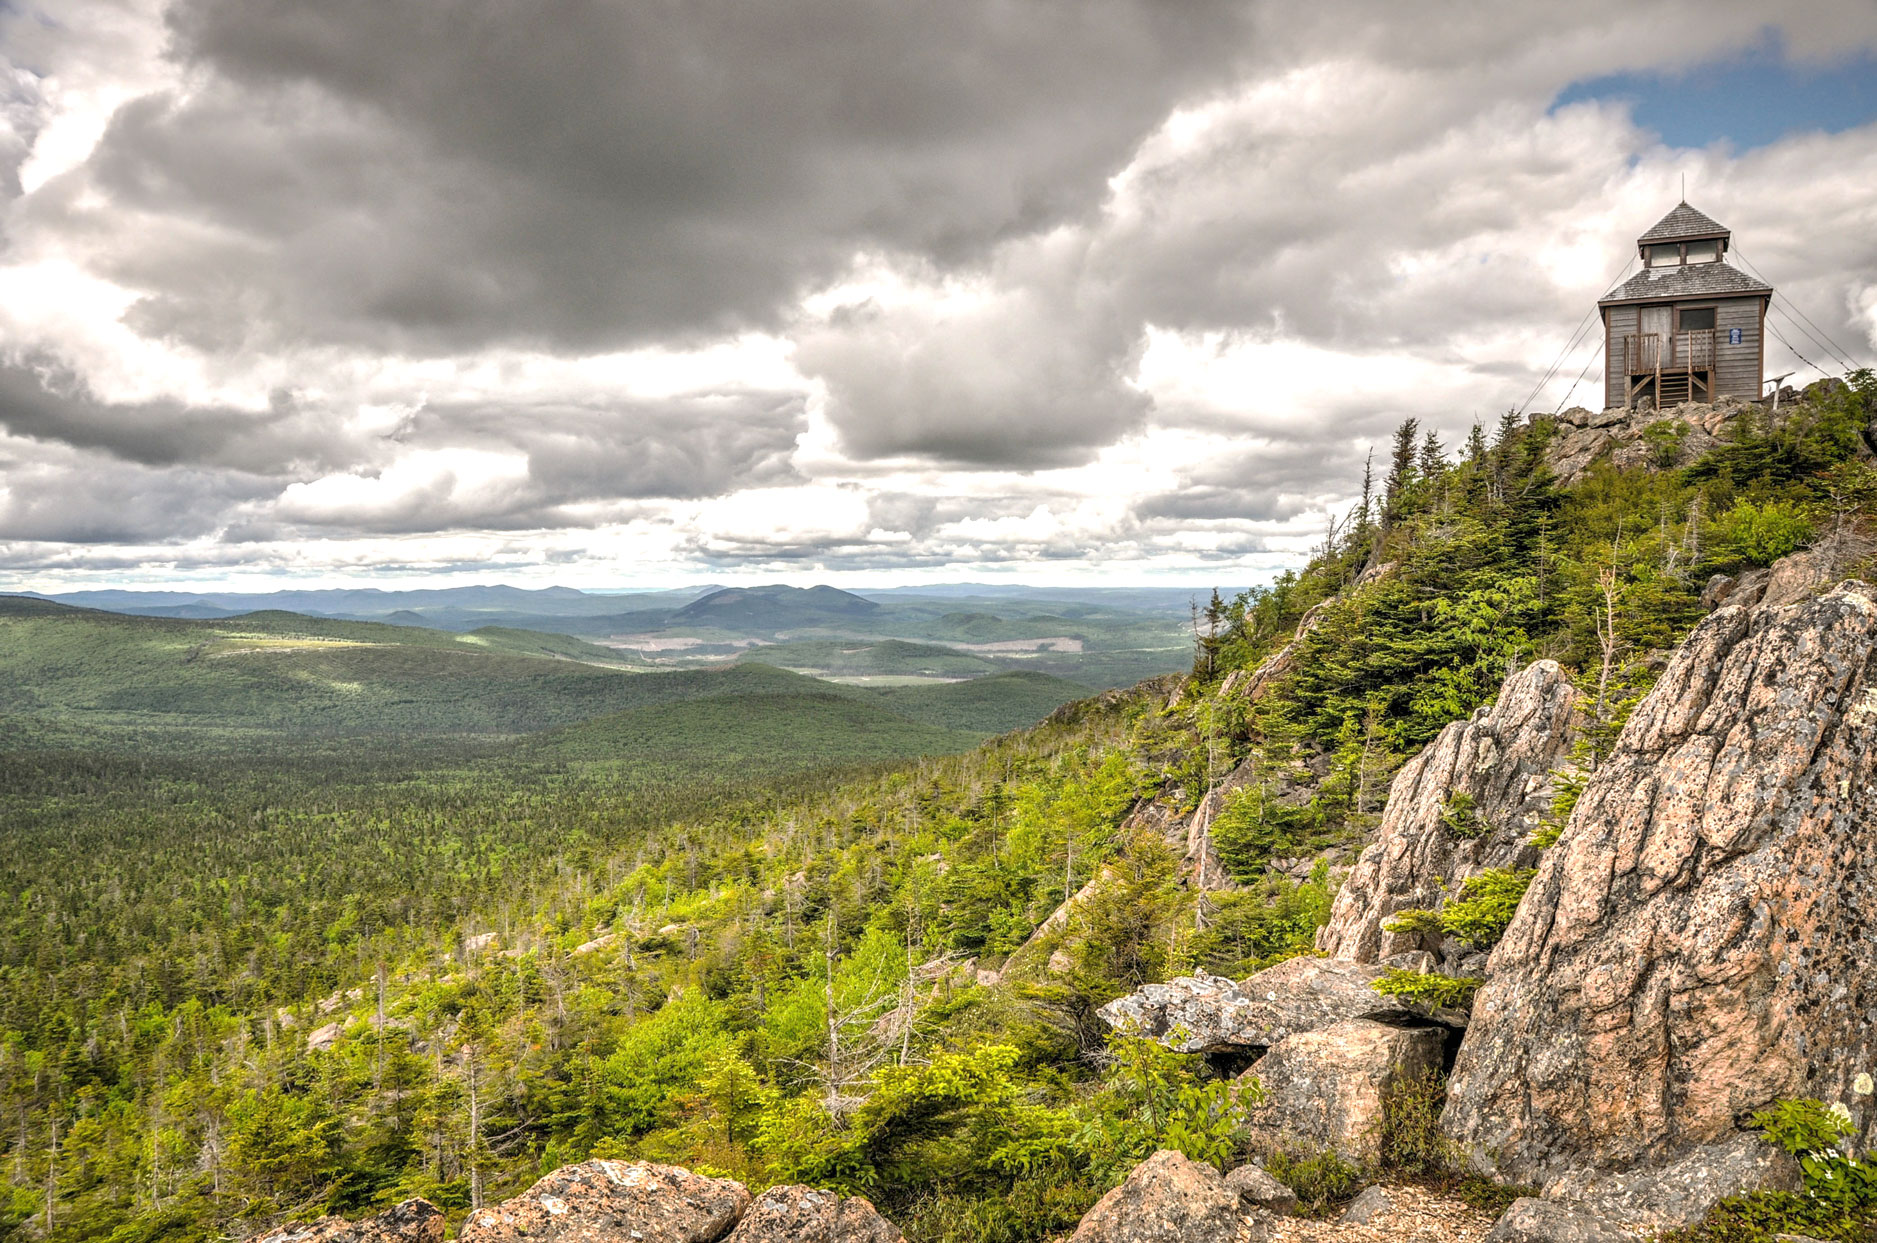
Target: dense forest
237, 988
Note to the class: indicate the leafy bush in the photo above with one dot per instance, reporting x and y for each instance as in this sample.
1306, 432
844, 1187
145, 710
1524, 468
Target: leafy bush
1664, 439
1762, 534
1416, 922
1322, 1181
1839, 1200
1153, 1099
1811, 1131
1430, 987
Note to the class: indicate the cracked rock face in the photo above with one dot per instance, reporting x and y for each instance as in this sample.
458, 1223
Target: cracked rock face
608, 1201
1211, 1014
1501, 758
1700, 942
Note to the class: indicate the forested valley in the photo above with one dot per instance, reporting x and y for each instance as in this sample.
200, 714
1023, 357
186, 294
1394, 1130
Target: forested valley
240, 985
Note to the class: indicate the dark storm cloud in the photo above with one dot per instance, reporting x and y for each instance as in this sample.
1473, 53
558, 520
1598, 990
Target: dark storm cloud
43, 399
462, 172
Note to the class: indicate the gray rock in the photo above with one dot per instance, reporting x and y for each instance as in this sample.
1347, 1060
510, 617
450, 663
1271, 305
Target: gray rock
1325, 1090
1211, 1014
414, 1221
1681, 1192
1698, 944
1374, 1202
1257, 1189
1167, 1199
1551, 1221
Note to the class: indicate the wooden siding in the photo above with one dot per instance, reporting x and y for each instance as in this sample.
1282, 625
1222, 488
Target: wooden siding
1620, 322
1737, 371
1738, 367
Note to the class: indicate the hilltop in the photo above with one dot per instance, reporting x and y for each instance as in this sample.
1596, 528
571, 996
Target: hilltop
1427, 819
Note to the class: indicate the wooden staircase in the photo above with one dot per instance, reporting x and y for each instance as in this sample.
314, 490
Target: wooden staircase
1672, 389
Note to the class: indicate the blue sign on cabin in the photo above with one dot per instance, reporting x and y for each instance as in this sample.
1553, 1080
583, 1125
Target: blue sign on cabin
1733, 336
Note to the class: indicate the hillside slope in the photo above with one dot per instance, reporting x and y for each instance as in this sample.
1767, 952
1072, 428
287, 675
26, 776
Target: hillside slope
891, 985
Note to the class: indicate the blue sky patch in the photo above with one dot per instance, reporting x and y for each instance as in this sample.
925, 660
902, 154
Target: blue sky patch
1748, 100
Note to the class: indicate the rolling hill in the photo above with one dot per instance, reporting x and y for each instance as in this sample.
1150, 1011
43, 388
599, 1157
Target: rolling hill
122, 682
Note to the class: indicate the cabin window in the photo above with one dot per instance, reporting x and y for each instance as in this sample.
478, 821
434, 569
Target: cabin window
1705, 252
1665, 256
1694, 319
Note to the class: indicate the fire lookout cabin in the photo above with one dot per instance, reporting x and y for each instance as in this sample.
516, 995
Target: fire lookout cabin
1687, 327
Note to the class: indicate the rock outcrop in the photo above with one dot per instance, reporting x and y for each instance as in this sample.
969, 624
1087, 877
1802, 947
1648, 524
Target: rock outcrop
414, 1221
1699, 943
1531, 1220
605, 1201
1169, 1198
1636, 437
1500, 760
1326, 1090
798, 1214
1211, 1014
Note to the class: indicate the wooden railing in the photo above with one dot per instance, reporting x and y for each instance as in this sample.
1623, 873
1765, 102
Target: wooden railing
1675, 351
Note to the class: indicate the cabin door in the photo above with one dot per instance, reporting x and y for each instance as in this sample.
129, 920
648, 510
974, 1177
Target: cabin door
1656, 321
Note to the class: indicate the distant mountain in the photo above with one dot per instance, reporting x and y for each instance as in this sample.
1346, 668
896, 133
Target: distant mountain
774, 608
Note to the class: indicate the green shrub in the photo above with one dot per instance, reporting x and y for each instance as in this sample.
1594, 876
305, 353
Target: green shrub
1810, 1131
1430, 988
1036, 1207
1486, 905
1664, 440
1840, 1197
1478, 916
1567, 787
1416, 922
1462, 818
1410, 1141
1323, 1181
1762, 534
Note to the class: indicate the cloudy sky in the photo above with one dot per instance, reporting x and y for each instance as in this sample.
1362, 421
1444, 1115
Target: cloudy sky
626, 293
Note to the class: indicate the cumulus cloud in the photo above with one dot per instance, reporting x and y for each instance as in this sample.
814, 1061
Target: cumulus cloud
384, 284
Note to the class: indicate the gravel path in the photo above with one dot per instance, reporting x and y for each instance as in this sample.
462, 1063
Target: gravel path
1418, 1216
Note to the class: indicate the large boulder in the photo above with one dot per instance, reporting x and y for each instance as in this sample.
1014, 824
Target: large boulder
1169, 1198
1211, 1014
608, 1201
799, 1214
1698, 944
1491, 774
1327, 1090
414, 1221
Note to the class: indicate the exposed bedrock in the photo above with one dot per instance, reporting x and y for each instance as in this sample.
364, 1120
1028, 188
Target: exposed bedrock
1699, 943
1500, 760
